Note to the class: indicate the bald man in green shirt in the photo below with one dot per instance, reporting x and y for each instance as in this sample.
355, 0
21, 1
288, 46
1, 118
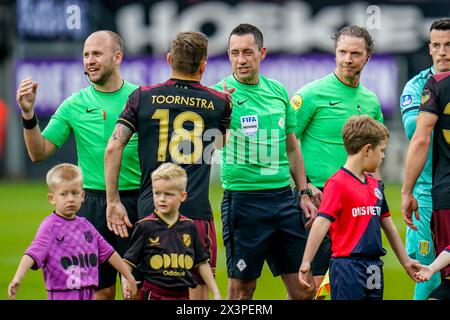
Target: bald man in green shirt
91, 115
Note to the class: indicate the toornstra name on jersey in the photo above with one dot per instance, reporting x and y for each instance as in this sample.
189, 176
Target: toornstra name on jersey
366, 210
186, 101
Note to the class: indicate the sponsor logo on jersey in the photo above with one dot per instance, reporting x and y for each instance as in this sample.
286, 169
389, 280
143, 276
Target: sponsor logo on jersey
296, 102
89, 110
378, 193
241, 101
366, 211
172, 260
406, 100
59, 239
84, 260
154, 242
187, 239
249, 125
424, 247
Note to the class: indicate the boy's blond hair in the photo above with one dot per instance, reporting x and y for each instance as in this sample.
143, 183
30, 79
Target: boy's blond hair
63, 173
361, 130
170, 171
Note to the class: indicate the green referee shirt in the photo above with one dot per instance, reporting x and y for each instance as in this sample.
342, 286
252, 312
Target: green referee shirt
255, 155
92, 116
322, 107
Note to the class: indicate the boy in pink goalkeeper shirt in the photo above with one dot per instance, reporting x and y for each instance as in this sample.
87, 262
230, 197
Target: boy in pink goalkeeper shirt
68, 248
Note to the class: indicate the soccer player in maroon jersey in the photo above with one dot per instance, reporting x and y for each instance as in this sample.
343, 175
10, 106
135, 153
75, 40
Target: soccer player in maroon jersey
178, 121
434, 117
167, 244
354, 208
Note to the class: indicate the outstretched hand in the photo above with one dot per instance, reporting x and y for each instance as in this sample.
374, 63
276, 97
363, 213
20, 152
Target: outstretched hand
228, 93
117, 219
412, 267
424, 274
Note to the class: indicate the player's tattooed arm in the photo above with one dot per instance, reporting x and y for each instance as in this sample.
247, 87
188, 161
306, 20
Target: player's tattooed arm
121, 134
116, 214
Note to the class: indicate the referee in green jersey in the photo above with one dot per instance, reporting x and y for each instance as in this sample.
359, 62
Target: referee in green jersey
90, 114
260, 219
323, 106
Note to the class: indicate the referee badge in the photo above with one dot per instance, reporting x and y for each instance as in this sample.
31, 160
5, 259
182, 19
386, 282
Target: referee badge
424, 247
249, 125
296, 102
187, 239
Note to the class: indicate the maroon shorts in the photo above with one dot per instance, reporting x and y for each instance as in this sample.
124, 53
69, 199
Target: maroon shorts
207, 234
151, 291
440, 227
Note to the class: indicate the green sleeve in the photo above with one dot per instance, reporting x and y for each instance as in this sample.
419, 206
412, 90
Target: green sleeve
58, 129
379, 114
291, 121
303, 103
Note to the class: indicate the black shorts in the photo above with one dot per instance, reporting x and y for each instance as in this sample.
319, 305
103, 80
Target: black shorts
94, 209
321, 261
258, 226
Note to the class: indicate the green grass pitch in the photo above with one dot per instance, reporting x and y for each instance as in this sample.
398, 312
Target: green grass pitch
23, 205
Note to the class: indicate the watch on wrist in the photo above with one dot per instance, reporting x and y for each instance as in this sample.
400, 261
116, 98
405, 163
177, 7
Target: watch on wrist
305, 191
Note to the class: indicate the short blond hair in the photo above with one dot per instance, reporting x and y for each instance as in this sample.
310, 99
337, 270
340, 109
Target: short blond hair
171, 171
63, 173
359, 131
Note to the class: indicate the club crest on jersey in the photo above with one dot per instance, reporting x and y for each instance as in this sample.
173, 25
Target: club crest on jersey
249, 125
281, 122
424, 247
378, 193
187, 239
406, 100
88, 236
